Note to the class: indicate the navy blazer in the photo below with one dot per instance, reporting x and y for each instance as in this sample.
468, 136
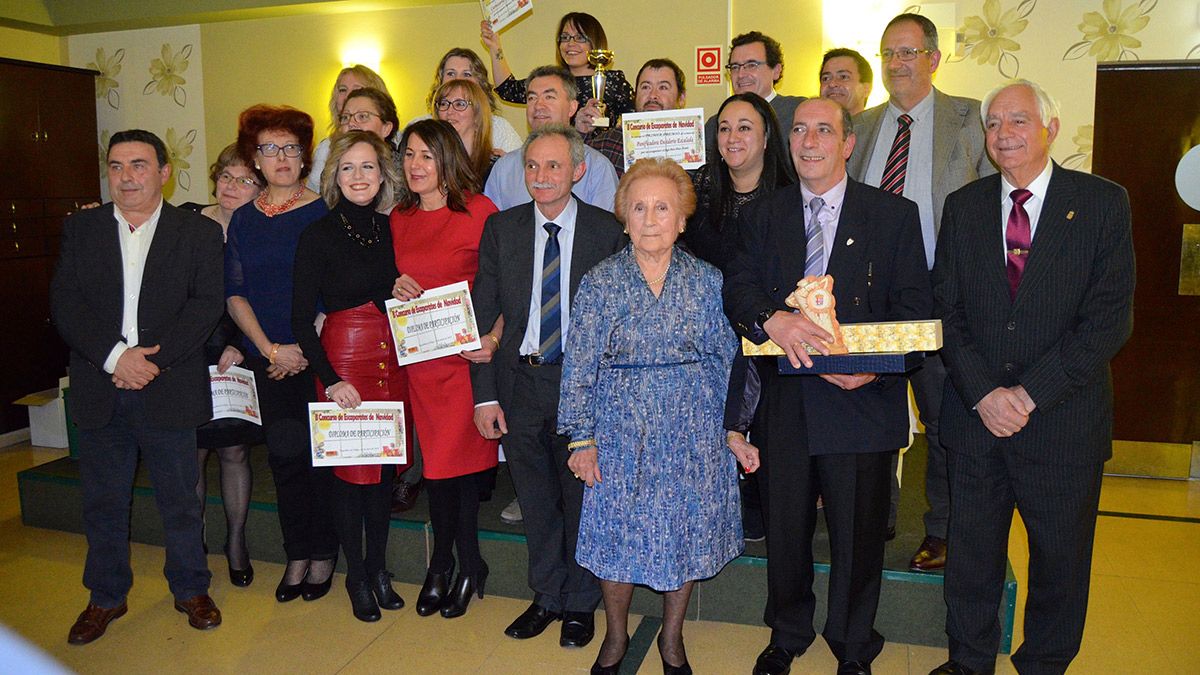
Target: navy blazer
180, 301
1072, 312
878, 267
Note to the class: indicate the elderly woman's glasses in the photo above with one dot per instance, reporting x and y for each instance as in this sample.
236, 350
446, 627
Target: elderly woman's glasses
360, 117
271, 150
459, 104
241, 181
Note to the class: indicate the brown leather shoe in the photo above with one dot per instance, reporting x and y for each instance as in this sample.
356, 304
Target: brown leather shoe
930, 557
93, 621
201, 611
404, 495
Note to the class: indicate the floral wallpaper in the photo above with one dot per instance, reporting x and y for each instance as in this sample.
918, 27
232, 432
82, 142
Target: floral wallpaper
151, 79
1057, 43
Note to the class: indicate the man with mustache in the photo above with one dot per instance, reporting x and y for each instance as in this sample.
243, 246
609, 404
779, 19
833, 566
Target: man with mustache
531, 258
923, 145
660, 86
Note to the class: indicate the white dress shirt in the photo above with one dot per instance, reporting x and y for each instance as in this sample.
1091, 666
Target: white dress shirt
566, 239
1033, 205
135, 245
918, 174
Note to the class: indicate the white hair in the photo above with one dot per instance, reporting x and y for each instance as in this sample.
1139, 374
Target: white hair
1047, 106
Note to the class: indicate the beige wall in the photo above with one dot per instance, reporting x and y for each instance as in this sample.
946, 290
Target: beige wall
796, 24
30, 46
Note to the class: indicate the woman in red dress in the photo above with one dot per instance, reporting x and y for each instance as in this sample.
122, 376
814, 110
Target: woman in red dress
436, 227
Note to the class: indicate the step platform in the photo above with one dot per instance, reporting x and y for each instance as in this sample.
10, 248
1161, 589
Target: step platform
911, 608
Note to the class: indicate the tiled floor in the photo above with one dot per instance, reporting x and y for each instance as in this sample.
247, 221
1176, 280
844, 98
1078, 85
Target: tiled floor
1144, 615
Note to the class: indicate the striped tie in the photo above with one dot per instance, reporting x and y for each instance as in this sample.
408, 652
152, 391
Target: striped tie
550, 337
897, 161
814, 264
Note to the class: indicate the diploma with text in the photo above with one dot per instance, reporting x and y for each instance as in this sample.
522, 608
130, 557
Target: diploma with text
372, 433
439, 323
234, 394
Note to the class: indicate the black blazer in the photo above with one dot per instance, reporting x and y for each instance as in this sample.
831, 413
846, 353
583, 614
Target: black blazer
180, 301
1072, 312
878, 266
504, 283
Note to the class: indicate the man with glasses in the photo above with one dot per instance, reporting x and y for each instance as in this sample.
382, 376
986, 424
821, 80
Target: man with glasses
921, 144
661, 85
550, 98
755, 65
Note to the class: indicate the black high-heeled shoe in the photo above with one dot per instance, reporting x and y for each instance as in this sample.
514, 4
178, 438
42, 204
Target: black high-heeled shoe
613, 669
286, 592
243, 577
668, 669
385, 595
460, 595
434, 590
362, 601
310, 591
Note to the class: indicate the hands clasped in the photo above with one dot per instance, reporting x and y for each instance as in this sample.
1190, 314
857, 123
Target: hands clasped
1005, 410
133, 371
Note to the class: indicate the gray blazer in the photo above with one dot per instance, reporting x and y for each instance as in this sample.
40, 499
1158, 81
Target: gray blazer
959, 154
504, 283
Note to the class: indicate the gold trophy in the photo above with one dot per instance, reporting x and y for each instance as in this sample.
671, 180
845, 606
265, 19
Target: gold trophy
601, 60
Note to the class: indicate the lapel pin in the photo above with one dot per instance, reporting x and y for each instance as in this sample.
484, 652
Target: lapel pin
1070, 215
850, 241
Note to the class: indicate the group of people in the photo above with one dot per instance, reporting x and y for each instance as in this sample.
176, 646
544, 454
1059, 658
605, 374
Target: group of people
610, 303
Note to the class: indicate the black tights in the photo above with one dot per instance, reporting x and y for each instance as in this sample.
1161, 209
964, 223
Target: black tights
454, 514
359, 508
235, 496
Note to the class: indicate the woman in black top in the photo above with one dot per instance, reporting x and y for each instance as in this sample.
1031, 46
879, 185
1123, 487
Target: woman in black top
346, 265
577, 34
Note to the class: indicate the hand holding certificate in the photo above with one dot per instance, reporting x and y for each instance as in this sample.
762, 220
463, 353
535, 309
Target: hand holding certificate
501, 13
372, 433
234, 394
441, 322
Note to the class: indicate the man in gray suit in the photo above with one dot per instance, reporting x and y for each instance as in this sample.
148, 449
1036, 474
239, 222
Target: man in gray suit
921, 144
531, 258
1034, 286
755, 67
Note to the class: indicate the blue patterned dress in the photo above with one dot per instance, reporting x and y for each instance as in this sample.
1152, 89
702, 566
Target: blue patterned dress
646, 377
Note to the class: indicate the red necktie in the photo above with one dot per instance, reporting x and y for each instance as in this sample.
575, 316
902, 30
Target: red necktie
897, 161
1017, 239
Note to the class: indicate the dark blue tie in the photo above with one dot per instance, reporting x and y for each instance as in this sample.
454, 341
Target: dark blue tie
550, 337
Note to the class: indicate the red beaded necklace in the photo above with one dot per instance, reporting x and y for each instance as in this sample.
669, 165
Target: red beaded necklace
272, 210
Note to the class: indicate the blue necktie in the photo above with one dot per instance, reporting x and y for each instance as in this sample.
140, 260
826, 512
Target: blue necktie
814, 263
550, 337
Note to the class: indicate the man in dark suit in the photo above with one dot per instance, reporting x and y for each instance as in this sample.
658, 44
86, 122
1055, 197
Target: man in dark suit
137, 291
755, 67
921, 144
832, 435
531, 258
1034, 285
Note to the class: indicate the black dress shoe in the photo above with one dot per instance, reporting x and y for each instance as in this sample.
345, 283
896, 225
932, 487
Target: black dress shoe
362, 601
612, 669
532, 622
404, 495
774, 660
853, 668
460, 595
385, 595
286, 592
578, 628
312, 592
955, 668
682, 669
243, 577
434, 591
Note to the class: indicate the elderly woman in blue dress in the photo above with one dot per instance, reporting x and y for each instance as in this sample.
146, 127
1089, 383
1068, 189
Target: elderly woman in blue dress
643, 389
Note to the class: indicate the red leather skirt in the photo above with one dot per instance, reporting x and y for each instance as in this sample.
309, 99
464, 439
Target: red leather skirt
358, 344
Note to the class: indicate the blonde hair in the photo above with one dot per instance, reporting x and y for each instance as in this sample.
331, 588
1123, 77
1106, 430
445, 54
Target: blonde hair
368, 77
656, 167
481, 144
338, 146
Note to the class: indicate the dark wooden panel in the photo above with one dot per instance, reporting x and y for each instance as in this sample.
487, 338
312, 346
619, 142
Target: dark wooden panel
1157, 374
74, 163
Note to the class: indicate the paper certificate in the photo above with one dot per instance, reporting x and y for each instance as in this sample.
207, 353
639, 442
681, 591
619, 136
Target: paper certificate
676, 134
501, 13
234, 394
439, 323
372, 433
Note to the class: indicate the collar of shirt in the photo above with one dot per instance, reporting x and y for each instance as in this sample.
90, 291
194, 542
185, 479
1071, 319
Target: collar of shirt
1033, 206
919, 111
772, 96
565, 220
531, 340
145, 230
830, 213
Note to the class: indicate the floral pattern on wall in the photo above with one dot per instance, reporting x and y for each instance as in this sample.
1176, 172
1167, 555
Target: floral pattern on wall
165, 74
1082, 157
179, 148
1108, 34
989, 38
107, 86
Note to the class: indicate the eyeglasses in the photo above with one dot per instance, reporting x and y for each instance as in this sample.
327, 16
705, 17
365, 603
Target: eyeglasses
271, 150
733, 68
903, 53
241, 181
360, 117
459, 104
577, 39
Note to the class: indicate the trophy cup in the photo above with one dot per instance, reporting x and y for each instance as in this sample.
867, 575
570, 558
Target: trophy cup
601, 60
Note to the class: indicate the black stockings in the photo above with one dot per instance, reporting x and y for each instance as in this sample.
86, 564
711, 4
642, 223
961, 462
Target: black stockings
454, 514
358, 509
235, 495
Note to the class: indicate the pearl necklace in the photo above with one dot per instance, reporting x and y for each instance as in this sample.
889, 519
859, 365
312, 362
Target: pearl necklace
271, 210
655, 282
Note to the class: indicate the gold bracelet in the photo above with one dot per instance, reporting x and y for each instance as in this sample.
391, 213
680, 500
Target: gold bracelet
274, 351
585, 443
493, 339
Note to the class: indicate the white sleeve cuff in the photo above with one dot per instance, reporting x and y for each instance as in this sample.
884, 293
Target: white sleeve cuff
486, 403
110, 364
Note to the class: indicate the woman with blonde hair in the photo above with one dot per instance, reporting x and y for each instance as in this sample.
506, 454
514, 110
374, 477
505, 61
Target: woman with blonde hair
464, 64
462, 104
349, 79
